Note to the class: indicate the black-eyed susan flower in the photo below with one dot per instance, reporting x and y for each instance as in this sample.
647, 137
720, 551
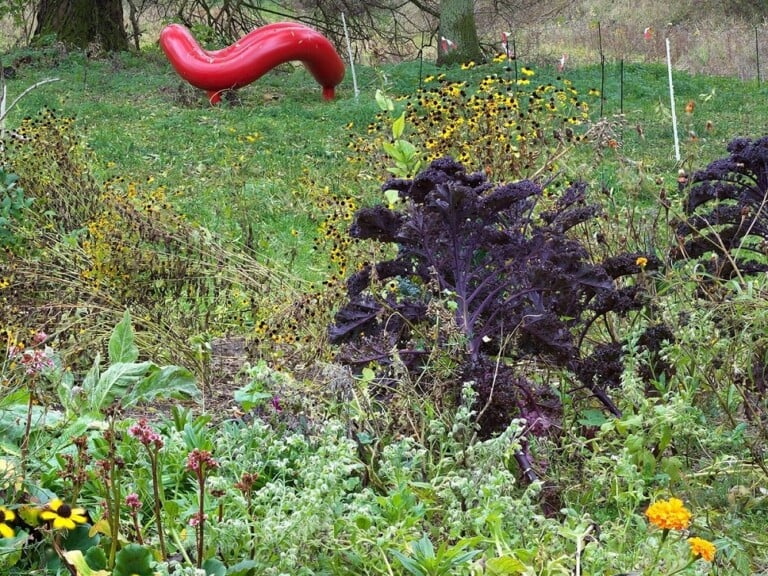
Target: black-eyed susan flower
703, 548
6, 517
62, 516
669, 514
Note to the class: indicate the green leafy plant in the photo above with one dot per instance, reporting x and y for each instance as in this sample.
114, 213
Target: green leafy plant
13, 205
424, 560
515, 283
126, 382
404, 154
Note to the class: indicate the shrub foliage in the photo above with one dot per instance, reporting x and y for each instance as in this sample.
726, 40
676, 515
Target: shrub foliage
727, 219
517, 284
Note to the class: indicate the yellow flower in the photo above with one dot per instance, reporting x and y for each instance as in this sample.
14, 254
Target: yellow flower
527, 71
703, 548
669, 514
641, 261
62, 515
6, 516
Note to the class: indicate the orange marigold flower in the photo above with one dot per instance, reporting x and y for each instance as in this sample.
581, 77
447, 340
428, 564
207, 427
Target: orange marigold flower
669, 514
703, 548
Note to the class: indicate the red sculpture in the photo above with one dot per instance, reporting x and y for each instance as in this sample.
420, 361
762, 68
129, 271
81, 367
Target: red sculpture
251, 57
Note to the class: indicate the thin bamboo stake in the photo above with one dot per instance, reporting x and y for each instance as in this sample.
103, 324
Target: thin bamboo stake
349, 53
672, 104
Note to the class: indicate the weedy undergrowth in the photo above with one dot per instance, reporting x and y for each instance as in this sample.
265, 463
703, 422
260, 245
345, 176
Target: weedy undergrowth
88, 249
503, 268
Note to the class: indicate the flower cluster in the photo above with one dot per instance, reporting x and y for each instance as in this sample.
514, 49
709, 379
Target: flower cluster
673, 515
145, 434
498, 124
669, 514
133, 502
703, 548
34, 360
201, 460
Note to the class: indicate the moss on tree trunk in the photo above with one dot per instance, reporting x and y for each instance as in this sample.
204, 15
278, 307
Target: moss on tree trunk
457, 24
80, 22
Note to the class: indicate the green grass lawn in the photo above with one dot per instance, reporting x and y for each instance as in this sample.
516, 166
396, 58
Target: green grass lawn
249, 162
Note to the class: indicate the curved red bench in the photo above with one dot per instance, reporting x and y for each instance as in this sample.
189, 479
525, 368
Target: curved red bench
252, 56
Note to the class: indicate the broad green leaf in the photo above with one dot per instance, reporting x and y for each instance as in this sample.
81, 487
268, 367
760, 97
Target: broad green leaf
214, 567
392, 196
409, 564
80, 539
398, 126
115, 382
592, 417
242, 568
133, 560
196, 438
122, 347
406, 148
504, 566
96, 558
384, 103
249, 399
18, 397
91, 380
76, 559
165, 382
392, 150
423, 547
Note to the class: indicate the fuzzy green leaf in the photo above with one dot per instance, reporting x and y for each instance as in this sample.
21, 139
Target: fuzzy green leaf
115, 383
165, 382
122, 347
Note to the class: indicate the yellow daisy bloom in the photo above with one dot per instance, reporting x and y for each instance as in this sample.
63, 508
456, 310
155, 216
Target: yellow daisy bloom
703, 548
6, 516
669, 514
62, 515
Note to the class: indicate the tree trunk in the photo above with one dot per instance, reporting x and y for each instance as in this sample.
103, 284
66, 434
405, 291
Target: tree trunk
81, 22
458, 40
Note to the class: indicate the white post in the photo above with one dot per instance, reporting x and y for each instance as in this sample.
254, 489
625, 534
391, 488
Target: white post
672, 104
349, 53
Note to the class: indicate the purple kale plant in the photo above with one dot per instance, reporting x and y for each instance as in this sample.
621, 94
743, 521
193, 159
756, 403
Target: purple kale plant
726, 224
520, 285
